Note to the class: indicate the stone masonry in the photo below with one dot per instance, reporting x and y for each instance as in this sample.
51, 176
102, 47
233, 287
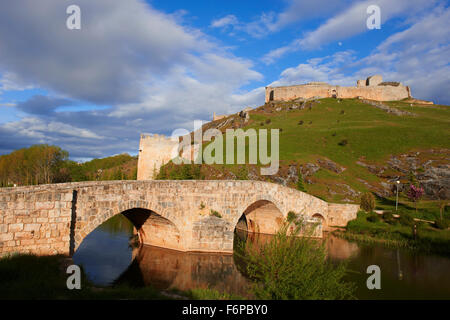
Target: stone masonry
50, 219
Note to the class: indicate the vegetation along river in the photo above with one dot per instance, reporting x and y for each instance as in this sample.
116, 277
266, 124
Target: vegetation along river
109, 258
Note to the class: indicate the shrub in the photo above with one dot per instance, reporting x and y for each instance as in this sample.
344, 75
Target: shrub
300, 185
368, 202
300, 122
268, 121
442, 224
406, 219
388, 217
373, 217
290, 267
415, 193
291, 216
242, 173
343, 143
215, 214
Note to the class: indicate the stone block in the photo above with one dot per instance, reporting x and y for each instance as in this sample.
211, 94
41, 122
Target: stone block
15, 227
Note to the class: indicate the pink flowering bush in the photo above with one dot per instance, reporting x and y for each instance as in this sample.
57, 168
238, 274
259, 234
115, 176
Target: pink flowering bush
415, 193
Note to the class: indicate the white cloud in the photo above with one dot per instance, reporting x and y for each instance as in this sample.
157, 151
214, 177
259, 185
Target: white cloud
155, 74
417, 56
295, 11
348, 23
225, 21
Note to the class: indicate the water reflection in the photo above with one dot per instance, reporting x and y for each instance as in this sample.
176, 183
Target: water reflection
108, 259
168, 269
105, 253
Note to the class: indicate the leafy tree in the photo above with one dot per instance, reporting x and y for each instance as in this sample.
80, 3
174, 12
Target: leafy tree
368, 202
34, 165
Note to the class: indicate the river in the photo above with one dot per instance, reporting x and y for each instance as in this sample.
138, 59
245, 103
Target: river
108, 258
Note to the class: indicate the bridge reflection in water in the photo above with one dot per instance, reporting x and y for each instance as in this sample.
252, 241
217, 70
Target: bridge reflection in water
169, 269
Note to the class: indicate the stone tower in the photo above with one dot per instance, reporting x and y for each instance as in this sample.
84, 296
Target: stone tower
154, 151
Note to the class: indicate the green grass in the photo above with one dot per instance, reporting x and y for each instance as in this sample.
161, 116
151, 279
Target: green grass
429, 239
371, 133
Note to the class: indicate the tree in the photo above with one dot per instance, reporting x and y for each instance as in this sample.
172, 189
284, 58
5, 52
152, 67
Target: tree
414, 194
368, 202
34, 165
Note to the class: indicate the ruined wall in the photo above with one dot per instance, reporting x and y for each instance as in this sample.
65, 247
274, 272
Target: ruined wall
154, 151
218, 117
367, 89
379, 93
300, 91
50, 219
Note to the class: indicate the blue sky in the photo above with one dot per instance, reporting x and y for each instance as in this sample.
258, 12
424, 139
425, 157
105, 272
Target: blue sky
152, 67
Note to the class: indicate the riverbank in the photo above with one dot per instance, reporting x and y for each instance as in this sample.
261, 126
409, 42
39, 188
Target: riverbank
30, 277
397, 233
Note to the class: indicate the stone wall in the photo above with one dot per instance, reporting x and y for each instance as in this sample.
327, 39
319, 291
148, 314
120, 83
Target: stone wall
154, 151
40, 219
35, 221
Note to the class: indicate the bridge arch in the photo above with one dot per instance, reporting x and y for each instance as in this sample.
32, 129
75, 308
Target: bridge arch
260, 216
154, 224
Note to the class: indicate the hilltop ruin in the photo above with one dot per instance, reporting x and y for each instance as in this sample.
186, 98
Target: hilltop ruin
373, 88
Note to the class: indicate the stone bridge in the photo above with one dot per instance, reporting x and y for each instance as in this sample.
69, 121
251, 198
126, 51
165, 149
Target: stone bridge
188, 215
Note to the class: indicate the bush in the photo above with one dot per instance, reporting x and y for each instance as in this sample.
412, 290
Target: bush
300, 185
368, 202
291, 267
268, 121
215, 214
343, 143
373, 217
442, 224
291, 216
388, 217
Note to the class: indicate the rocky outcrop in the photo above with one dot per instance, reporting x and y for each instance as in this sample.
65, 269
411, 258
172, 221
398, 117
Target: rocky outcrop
431, 169
330, 165
386, 108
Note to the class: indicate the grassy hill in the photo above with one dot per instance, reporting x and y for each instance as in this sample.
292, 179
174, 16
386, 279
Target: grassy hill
343, 147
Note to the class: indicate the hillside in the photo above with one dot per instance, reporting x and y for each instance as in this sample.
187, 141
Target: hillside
344, 147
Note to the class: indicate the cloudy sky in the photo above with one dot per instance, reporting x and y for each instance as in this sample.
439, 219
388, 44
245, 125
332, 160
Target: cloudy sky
140, 66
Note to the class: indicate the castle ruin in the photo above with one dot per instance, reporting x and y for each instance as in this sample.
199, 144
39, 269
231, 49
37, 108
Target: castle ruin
373, 88
157, 150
